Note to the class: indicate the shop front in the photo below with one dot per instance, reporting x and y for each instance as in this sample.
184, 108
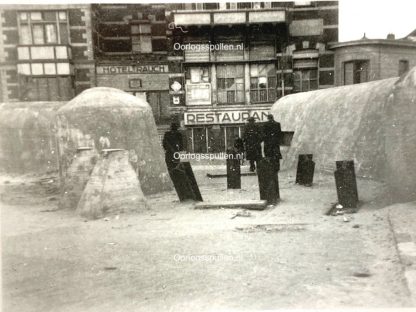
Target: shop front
149, 82
214, 131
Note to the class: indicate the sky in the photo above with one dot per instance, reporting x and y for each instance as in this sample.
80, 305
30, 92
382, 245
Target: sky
376, 18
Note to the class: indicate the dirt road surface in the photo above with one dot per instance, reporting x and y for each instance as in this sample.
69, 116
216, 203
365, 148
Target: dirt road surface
175, 258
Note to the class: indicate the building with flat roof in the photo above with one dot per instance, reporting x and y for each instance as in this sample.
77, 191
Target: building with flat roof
372, 59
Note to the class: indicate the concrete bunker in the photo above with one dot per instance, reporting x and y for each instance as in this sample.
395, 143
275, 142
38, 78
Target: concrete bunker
27, 137
370, 123
105, 118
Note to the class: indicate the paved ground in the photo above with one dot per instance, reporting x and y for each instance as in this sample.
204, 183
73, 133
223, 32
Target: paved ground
173, 257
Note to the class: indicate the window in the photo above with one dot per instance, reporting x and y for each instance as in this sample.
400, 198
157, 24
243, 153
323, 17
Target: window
210, 6
230, 84
305, 80
244, 5
258, 5
141, 38
198, 74
58, 88
231, 5
262, 83
355, 72
302, 3
403, 66
47, 27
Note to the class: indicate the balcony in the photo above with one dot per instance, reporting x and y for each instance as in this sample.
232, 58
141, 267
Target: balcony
44, 60
200, 18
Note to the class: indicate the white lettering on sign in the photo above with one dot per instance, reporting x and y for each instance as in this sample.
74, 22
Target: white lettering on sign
224, 117
131, 69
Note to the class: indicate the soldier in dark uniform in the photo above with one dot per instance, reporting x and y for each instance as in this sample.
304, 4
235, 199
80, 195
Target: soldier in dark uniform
239, 147
272, 134
252, 140
172, 143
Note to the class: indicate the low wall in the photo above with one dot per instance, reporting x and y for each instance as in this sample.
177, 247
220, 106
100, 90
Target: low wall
27, 137
370, 123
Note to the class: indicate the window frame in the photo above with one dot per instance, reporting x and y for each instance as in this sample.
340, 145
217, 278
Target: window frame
270, 90
303, 79
401, 70
234, 87
42, 24
355, 71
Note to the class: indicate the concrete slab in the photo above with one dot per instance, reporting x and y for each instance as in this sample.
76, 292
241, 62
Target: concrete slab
246, 204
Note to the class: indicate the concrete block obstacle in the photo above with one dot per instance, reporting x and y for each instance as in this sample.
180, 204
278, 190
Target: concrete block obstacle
346, 184
185, 183
267, 171
233, 170
112, 188
305, 170
237, 204
77, 176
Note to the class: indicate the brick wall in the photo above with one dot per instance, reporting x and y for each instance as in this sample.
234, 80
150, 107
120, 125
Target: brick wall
79, 17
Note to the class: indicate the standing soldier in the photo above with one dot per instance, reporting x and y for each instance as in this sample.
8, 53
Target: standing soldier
272, 137
172, 143
252, 140
239, 147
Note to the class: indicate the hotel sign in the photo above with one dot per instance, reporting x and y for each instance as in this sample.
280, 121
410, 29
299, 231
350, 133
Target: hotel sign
131, 69
224, 117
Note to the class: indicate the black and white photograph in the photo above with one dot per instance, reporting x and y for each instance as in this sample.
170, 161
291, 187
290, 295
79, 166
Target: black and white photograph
207, 156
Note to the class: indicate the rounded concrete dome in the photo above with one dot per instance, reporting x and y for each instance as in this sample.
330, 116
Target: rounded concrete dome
105, 118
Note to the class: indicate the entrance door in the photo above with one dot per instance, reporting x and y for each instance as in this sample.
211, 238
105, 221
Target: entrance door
200, 140
230, 134
216, 139
153, 98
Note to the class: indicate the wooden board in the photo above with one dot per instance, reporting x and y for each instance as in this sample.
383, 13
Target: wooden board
238, 204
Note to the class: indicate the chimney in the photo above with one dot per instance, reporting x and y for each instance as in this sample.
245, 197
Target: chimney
391, 36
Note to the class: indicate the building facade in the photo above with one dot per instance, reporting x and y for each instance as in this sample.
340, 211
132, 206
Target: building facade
208, 65
130, 48
372, 59
46, 52
237, 59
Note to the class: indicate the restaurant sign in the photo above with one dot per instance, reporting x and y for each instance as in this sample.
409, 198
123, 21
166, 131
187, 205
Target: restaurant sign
224, 117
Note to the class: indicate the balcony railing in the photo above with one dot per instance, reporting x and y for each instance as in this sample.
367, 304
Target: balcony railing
263, 95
